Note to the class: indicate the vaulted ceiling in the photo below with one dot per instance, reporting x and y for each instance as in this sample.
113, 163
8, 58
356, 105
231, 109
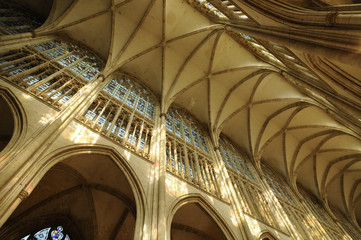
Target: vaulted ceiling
303, 120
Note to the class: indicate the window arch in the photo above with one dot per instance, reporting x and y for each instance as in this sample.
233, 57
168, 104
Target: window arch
187, 151
15, 19
54, 70
124, 111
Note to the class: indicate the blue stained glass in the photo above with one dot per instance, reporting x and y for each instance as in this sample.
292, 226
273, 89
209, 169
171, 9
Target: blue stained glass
169, 122
121, 132
203, 141
68, 96
55, 96
132, 97
90, 73
111, 117
235, 162
42, 234
117, 123
17, 71
142, 142
173, 161
150, 110
195, 138
110, 87
225, 157
250, 175
190, 171
187, 134
79, 67
141, 105
55, 53
25, 238
120, 93
102, 118
57, 234
177, 128
44, 86
66, 61
133, 138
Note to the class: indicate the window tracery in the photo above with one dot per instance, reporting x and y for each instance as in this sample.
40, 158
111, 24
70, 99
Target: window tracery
15, 20
290, 205
278, 185
233, 159
346, 224
254, 202
54, 70
46, 233
187, 151
329, 227
124, 111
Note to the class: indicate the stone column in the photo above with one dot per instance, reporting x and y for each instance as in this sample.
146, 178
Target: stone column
158, 228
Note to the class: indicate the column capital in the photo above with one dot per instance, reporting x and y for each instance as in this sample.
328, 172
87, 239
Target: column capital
162, 115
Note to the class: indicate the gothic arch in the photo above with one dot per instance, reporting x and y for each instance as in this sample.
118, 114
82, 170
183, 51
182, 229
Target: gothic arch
204, 205
61, 154
11, 110
266, 235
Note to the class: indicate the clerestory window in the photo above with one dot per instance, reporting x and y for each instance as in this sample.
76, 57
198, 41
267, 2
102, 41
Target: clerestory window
233, 159
124, 111
187, 151
53, 70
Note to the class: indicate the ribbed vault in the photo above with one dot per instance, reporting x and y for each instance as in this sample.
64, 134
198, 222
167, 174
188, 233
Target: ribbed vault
184, 57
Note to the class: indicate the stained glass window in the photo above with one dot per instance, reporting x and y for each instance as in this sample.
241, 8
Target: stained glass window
234, 159
46, 233
135, 95
278, 185
124, 111
187, 151
182, 125
78, 60
47, 69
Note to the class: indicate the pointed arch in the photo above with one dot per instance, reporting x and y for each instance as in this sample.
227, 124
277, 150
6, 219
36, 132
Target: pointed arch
16, 113
39, 171
266, 235
204, 205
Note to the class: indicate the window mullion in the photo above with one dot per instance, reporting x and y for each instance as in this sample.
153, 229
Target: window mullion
117, 113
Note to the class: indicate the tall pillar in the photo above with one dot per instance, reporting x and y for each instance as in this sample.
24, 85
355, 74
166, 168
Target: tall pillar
158, 229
